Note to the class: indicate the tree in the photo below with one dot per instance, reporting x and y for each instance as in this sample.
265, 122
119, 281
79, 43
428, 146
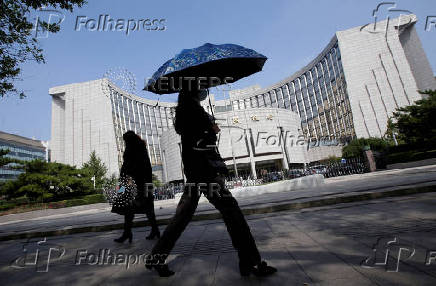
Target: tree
330, 160
156, 181
355, 147
96, 168
110, 182
49, 181
415, 123
17, 43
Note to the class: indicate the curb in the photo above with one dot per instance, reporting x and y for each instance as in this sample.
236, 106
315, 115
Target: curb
247, 211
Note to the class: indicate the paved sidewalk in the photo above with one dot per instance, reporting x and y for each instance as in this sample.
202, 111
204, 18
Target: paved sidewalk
318, 246
334, 189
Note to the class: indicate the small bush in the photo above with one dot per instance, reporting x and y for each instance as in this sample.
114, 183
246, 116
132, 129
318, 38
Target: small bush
24, 203
355, 148
410, 156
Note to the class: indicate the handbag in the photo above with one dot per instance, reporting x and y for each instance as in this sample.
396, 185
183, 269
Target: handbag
122, 196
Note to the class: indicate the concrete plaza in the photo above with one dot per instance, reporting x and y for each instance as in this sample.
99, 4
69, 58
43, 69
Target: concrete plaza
317, 246
333, 190
329, 234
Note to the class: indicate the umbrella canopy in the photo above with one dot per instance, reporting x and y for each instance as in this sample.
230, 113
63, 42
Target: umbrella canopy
211, 65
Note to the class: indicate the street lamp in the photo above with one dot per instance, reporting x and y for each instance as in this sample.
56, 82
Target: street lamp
395, 138
93, 179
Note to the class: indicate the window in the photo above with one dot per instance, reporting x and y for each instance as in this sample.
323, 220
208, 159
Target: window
296, 85
241, 104
253, 102
267, 100
235, 105
308, 79
285, 97
272, 95
261, 100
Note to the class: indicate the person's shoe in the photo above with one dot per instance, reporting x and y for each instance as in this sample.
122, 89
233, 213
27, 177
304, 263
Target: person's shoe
153, 234
162, 270
261, 270
124, 237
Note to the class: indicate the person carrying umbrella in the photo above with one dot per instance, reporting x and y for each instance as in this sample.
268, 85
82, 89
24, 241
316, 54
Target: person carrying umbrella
203, 166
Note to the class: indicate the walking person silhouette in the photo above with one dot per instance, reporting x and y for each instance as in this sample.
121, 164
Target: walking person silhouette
203, 164
136, 164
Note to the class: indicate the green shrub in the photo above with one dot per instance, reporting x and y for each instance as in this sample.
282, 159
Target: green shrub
24, 202
355, 147
410, 156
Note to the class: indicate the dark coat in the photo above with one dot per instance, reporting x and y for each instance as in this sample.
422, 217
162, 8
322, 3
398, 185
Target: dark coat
137, 165
194, 125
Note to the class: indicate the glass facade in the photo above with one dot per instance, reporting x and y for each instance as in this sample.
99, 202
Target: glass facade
318, 95
146, 120
20, 152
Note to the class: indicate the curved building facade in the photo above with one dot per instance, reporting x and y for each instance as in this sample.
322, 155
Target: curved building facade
147, 118
92, 116
317, 93
354, 85
348, 91
252, 140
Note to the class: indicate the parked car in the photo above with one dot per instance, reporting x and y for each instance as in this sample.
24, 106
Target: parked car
319, 169
295, 173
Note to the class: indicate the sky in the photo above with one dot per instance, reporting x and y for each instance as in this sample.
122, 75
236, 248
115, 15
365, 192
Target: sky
290, 33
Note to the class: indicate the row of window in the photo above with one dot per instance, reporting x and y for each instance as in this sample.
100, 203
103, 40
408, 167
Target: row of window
21, 151
319, 96
145, 120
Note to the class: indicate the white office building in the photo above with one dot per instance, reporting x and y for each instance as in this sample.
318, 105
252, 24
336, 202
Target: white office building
348, 91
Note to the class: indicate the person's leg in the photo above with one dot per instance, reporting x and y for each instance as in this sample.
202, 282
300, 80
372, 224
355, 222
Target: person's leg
127, 233
236, 224
149, 211
239, 232
128, 222
184, 212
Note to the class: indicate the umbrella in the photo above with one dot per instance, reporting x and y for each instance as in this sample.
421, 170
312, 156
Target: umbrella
216, 64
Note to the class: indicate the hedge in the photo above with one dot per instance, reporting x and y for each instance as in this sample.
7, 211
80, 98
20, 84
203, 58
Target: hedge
24, 203
410, 156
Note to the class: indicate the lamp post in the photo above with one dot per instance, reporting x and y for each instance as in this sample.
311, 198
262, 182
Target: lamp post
93, 180
395, 138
